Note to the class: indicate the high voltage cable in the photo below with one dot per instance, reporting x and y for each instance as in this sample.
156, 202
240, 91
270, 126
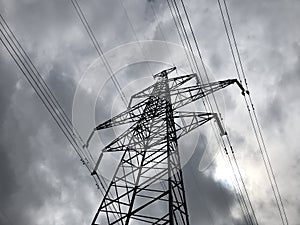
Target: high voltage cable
28, 69
254, 219
47, 89
236, 185
182, 39
255, 116
237, 190
99, 50
205, 72
162, 34
198, 50
26, 66
135, 34
107, 67
254, 121
142, 52
186, 37
190, 50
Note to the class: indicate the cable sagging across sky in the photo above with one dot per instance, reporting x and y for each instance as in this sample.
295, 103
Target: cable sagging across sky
250, 108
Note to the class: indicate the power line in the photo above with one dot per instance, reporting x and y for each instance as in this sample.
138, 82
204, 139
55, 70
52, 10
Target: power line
44, 93
205, 72
45, 87
162, 34
181, 37
99, 50
135, 34
185, 36
13, 47
254, 120
154, 133
255, 116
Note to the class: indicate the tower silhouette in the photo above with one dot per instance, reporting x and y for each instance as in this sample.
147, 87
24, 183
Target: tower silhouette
147, 186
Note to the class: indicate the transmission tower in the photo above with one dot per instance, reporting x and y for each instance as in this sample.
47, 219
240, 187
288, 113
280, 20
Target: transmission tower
147, 186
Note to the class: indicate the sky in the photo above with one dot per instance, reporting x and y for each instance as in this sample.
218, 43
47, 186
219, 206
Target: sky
43, 180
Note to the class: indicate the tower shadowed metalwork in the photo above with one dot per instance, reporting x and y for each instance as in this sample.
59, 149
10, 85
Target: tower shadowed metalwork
147, 186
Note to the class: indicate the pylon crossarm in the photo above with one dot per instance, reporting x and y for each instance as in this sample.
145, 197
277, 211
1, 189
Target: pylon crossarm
190, 121
133, 114
124, 142
145, 93
118, 144
147, 185
174, 83
164, 73
186, 95
130, 115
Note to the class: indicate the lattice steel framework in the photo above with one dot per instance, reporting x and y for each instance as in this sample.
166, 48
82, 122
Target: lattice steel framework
147, 186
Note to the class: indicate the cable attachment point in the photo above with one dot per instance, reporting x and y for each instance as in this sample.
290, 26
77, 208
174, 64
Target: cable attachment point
218, 121
241, 87
226, 152
86, 145
94, 172
83, 162
164, 73
231, 148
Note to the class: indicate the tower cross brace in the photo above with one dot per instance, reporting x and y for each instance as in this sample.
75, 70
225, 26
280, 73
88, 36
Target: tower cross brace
147, 186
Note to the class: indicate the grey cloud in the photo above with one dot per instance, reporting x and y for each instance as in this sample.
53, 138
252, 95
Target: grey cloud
40, 172
209, 201
63, 86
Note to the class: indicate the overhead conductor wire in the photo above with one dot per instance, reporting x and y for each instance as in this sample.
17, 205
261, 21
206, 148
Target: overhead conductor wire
185, 36
198, 50
227, 135
135, 35
28, 69
107, 67
181, 37
99, 50
162, 34
142, 51
254, 120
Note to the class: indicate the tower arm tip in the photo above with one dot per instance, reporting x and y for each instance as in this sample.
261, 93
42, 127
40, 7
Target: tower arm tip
241, 87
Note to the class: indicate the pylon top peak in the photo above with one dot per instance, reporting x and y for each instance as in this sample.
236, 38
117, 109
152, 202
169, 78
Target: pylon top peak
164, 73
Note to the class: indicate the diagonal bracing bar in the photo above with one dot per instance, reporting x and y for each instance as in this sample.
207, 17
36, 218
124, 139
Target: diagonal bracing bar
147, 186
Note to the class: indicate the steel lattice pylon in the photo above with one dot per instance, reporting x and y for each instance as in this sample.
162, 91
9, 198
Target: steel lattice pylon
147, 187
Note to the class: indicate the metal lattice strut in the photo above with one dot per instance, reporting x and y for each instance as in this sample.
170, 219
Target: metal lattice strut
147, 186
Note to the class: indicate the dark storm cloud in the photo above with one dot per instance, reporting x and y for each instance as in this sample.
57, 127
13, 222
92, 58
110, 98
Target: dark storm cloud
36, 164
17, 157
8, 177
35, 174
7, 88
62, 84
290, 79
208, 200
42, 180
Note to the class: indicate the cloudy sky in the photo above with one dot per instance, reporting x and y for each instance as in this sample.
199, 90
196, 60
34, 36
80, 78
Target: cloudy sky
42, 179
